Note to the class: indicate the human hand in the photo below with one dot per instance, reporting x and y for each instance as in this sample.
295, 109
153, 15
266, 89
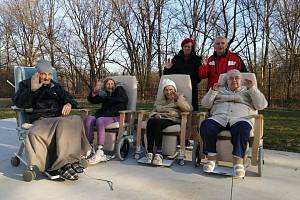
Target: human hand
174, 96
205, 60
215, 87
248, 83
66, 109
35, 82
168, 63
98, 85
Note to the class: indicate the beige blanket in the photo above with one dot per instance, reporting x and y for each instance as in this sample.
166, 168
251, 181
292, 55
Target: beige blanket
54, 142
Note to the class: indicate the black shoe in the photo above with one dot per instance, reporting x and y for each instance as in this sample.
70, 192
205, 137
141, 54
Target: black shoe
53, 175
77, 167
67, 172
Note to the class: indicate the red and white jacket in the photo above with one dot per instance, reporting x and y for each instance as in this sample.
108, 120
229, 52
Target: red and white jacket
217, 65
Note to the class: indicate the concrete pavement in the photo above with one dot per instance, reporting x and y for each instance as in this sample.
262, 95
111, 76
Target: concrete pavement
280, 181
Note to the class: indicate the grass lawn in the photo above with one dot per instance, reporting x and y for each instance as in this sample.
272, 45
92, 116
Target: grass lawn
281, 129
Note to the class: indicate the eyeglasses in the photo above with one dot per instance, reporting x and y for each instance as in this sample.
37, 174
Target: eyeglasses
236, 78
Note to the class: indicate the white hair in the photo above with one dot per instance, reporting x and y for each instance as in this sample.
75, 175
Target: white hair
233, 72
221, 38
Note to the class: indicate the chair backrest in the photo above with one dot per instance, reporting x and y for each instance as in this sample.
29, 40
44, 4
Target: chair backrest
130, 85
183, 84
22, 73
249, 76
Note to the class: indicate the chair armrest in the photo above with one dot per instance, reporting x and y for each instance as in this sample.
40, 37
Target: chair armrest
86, 110
184, 113
126, 111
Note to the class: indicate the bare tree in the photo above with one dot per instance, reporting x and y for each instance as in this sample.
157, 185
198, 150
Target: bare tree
137, 21
20, 19
92, 25
286, 41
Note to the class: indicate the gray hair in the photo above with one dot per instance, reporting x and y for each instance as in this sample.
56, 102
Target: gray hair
221, 37
233, 72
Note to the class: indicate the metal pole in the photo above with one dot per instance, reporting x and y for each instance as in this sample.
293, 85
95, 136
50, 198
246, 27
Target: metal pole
269, 89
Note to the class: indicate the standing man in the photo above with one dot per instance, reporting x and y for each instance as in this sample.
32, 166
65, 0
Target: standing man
220, 62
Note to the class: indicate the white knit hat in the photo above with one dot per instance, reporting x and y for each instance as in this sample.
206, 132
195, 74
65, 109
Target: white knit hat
43, 66
166, 82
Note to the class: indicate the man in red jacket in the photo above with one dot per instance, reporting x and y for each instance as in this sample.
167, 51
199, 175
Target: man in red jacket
220, 62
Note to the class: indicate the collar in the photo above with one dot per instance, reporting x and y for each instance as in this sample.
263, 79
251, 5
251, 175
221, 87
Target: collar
224, 55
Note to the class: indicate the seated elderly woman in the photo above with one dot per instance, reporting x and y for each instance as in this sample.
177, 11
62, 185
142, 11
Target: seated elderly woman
113, 98
56, 141
231, 107
166, 113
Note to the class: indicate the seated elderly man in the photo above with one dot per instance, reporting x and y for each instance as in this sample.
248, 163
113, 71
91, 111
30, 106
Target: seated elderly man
56, 141
230, 108
166, 113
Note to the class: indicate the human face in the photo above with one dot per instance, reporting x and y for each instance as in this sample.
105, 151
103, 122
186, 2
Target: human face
234, 82
187, 48
220, 46
110, 86
169, 92
45, 77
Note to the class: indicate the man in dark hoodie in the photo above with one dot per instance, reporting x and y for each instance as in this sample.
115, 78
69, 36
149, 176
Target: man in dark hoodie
56, 141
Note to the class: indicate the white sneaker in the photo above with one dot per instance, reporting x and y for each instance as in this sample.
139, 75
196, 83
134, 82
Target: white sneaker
98, 157
157, 160
209, 166
148, 158
90, 153
239, 171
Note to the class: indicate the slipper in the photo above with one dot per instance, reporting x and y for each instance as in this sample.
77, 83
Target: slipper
67, 172
209, 166
239, 170
77, 167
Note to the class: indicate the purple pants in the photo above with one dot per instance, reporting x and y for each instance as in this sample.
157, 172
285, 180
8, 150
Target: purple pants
101, 123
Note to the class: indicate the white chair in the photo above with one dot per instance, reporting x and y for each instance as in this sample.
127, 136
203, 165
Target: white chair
169, 143
224, 146
119, 135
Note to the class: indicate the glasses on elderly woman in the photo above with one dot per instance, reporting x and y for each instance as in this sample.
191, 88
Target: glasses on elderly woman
236, 78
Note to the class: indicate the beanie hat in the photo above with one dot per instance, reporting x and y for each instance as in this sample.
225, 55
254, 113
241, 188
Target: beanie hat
187, 40
166, 82
43, 66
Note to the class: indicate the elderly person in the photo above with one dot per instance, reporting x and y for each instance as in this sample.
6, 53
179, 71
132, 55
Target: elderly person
113, 98
186, 62
166, 113
56, 141
230, 107
220, 62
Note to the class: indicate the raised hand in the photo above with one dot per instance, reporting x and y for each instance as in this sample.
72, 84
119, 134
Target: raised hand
168, 63
175, 96
215, 87
98, 85
66, 109
205, 60
248, 83
35, 82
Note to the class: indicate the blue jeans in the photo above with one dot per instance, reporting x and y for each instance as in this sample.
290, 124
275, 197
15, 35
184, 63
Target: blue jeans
240, 133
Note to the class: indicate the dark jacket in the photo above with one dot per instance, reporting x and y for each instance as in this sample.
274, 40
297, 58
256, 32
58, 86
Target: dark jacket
189, 67
111, 105
52, 97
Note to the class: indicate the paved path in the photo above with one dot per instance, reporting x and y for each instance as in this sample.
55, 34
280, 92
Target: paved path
280, 181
